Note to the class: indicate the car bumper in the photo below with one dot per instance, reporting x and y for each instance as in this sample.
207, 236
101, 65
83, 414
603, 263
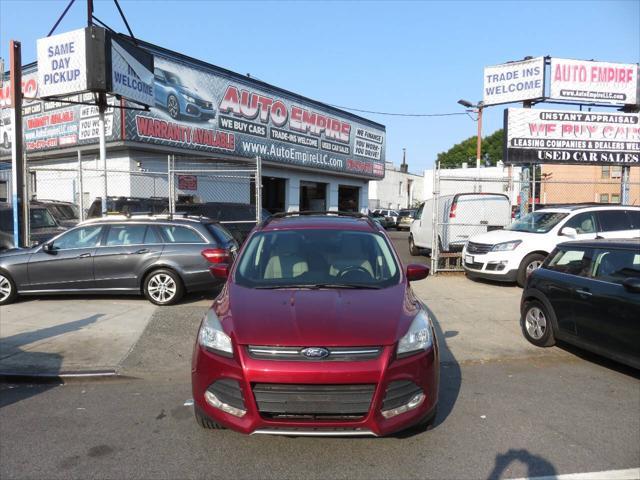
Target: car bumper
491, 266
196, 111
422, 369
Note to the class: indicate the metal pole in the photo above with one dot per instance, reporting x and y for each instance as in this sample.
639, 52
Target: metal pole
434, 219
102, 106
19, 196
258, 181
80, 187
172, 186
479, 145
533, 187
624, 185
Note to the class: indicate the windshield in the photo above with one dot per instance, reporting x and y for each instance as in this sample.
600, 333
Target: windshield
537, 222
173, 79
317, 259
41, 218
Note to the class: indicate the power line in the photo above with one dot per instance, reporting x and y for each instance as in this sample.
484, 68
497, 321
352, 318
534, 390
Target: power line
401, 114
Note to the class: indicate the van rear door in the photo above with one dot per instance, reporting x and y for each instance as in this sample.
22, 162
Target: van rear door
475, 213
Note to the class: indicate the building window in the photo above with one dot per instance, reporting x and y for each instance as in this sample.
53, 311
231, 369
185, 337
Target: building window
615, 198
604, 198
606, 171
616, 171
400, 188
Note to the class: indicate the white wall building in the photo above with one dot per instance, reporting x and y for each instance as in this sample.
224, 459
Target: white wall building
398, 189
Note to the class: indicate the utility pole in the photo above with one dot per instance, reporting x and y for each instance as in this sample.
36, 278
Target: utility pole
19, 197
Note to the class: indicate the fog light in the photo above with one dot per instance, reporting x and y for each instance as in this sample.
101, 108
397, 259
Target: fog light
216, 403
415, 402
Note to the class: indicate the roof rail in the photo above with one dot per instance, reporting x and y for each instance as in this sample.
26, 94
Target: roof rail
338, 213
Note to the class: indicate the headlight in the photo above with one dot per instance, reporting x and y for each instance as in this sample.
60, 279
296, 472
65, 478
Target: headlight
506, 246
212, 337
418, 338
189, 98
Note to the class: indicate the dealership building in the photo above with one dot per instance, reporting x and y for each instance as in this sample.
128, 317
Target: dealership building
313, 156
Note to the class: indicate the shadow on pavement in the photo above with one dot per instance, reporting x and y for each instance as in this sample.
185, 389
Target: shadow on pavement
536, 465
599, 360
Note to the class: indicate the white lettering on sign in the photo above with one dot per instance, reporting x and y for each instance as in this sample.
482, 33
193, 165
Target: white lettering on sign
514, 82
62, 64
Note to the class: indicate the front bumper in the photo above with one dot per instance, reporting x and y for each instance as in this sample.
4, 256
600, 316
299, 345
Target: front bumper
422, 369
495, 266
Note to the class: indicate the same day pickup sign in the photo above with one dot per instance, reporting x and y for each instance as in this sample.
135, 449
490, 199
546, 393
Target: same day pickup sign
62, 64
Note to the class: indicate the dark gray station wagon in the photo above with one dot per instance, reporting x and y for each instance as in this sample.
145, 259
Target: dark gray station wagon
160, 257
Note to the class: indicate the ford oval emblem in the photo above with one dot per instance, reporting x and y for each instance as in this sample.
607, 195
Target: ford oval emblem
315, 352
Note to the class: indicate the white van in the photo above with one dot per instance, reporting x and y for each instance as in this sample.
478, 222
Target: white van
460, 216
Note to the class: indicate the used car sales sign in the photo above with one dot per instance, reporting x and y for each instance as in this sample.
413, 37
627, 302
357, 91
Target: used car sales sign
597, 82
570, 137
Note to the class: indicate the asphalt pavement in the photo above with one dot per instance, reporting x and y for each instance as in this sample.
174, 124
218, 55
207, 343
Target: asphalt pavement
506, 410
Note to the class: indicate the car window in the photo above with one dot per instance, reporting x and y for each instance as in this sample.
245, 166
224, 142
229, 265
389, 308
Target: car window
125, 235
84, 237
152, 237
418, 214
6, 220
177, 234
583, 223
537, 222
634, 218
41, 218
573, 261
615, 265
220, 233
614, 220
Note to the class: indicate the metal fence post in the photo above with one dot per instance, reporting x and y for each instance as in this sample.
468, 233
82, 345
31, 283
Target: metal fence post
533, 187
258, 180
171, 183
80, 187
434, 219
624, 185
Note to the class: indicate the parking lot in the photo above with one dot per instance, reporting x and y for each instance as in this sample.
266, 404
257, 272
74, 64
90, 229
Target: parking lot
506, 409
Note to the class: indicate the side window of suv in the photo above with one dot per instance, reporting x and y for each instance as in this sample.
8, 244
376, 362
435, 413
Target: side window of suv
615, 265
84, 237
614, 220
583, 223
178, 234
573, 261
125, 235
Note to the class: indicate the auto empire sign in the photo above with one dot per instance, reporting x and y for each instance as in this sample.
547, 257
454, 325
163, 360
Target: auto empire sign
570, 137
197, 108
514, 82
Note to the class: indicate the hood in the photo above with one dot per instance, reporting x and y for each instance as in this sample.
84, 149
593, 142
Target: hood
500, 236
192, 92
338, 317
12, 252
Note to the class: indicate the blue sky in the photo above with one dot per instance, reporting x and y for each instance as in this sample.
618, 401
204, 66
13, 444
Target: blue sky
391, 56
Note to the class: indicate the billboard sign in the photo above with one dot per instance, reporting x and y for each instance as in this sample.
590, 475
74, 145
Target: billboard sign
62, 64
204, 109
514, 82
131, 72
597, 82
570, 137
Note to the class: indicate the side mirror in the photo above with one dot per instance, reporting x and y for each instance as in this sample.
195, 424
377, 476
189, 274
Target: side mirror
416, 271
569, 232
220, 271
47, 248
632, 284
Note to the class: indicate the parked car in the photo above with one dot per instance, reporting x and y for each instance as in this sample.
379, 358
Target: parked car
238, 218
390, 215
179, 100
459, 217
42, 225
316, 332
380, 218
513, 253
129, 205
159, 257
587, 293
405, 218
65, 213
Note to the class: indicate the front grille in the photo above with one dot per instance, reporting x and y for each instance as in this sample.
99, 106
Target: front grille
335, 354
474, 265
478, 248
204, 104
399, 393
281, 400
228, 391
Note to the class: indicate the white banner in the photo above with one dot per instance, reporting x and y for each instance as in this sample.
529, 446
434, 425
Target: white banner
62, 64
514, 82
597, 82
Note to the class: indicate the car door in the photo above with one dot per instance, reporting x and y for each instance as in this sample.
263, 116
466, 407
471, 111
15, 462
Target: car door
564, 282
418, 227
611, 318
66, 263
125, 253
618, 223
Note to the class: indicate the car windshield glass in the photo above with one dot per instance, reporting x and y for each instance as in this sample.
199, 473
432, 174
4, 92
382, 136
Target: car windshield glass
41, 218
173, 79
537, 222
317, 259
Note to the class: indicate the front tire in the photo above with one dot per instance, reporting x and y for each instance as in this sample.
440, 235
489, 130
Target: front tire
8, 292
205, 422
536, 324
173, 107
413, 250
163, 287
529, 264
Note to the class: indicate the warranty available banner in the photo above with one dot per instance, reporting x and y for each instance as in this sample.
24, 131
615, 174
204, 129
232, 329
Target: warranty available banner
208, 111
569, 137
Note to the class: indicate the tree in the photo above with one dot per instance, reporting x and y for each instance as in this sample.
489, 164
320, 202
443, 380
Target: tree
465, 151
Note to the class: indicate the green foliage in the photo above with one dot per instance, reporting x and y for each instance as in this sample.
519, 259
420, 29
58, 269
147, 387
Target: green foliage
465, 151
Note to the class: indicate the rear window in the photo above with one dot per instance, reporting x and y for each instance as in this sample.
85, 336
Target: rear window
220, 233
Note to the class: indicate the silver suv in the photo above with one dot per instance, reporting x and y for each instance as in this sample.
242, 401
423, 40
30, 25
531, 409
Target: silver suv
158, 256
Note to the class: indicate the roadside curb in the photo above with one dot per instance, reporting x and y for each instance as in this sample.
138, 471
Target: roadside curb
62, 377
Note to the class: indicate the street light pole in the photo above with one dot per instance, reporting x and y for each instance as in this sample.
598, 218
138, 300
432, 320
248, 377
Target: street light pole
480, 107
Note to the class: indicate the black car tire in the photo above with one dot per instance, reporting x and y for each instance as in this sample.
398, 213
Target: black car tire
525, 267
154, 283
173, 107
413, 250
8, 292
206, 422
537, 311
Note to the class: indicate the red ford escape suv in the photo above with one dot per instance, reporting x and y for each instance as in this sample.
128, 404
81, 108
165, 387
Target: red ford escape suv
316, 332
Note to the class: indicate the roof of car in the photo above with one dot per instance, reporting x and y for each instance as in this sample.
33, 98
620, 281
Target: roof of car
329, 221
582, 206
605, 243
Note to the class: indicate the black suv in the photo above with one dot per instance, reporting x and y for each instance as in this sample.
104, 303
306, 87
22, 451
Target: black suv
161, 257
587, 293
42, 224
65, 213
129, 205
